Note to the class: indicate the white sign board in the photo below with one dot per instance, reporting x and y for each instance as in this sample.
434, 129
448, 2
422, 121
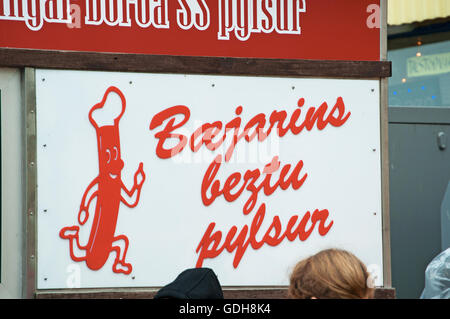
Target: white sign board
141, 176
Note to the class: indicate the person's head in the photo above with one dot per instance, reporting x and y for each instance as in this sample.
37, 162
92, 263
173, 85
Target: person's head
330, 274
193, 283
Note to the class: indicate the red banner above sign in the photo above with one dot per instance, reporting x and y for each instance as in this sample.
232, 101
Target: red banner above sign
282, 29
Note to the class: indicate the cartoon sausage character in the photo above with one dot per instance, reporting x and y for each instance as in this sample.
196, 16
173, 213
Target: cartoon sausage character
107, 188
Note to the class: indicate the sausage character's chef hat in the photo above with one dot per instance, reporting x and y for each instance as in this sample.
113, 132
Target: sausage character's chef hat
109, 111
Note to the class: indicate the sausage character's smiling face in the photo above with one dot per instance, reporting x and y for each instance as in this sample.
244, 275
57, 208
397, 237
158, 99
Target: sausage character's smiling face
111, 163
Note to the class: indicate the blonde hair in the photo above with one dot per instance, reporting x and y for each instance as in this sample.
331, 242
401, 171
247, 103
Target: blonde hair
330, 274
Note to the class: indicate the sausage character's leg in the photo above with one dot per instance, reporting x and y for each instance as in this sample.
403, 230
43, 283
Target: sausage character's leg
139, 178
71, 233
120, 246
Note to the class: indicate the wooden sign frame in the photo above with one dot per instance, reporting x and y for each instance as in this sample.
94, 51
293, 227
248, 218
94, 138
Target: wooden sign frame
28, 60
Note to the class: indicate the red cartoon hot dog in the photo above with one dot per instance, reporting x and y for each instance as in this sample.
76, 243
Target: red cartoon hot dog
107, 188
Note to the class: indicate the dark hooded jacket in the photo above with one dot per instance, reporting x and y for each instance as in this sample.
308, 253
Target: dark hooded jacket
195, 283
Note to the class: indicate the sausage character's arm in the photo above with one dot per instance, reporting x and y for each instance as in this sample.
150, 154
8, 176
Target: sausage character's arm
139, 178
83, 213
